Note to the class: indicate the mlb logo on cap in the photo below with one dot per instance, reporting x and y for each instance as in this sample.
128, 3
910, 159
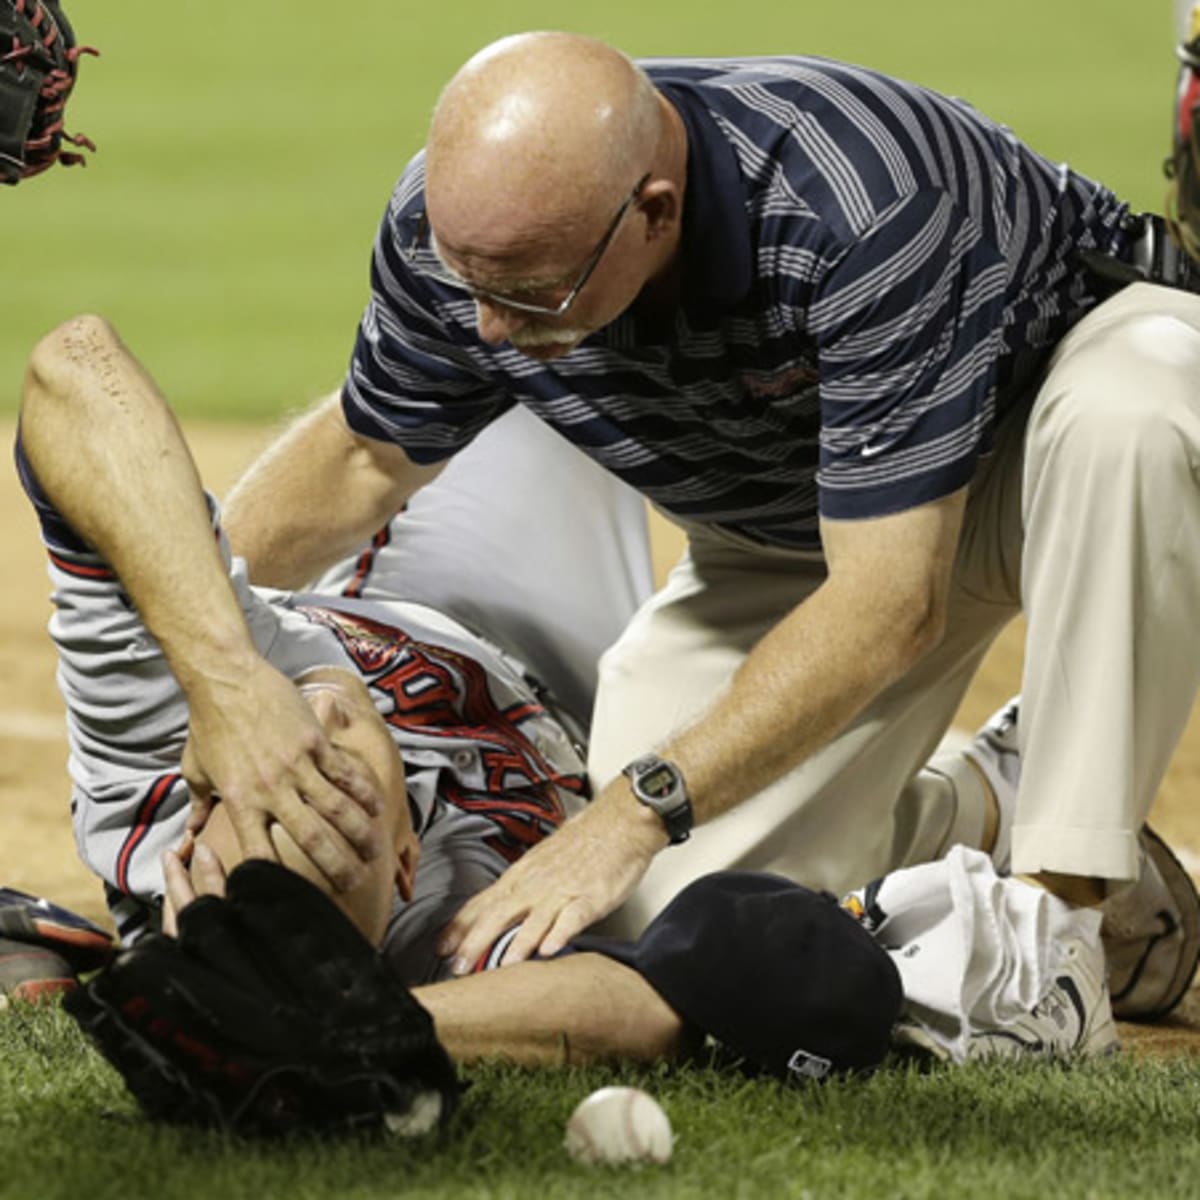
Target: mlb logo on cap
809, 1066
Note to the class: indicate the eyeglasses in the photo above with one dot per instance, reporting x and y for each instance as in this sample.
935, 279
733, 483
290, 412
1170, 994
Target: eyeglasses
422, 258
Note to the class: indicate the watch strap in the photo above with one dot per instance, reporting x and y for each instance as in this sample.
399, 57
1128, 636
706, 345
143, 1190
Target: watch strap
669, 799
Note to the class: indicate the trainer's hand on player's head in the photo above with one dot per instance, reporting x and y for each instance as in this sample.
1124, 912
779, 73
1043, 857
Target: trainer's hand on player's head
562, 885
256, 743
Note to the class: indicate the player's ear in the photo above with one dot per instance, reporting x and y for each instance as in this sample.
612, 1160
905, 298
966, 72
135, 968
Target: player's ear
408, 852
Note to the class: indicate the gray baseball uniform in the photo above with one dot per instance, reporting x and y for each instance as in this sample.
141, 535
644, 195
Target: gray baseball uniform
490, 766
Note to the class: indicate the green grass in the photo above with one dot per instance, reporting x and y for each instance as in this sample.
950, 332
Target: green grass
1114, 1128
245, 159
225, 226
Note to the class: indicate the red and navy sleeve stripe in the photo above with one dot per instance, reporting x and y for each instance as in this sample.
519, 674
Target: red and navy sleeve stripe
147, 813
56, 532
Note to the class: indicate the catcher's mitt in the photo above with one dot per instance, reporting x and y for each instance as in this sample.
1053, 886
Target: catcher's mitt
1183, 166
43, 947
38, 64
269, 1014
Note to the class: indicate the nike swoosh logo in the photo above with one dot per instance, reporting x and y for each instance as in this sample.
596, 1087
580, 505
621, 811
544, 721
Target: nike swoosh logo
1068, 985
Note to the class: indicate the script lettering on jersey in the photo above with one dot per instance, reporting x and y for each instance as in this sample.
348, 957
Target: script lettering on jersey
443, 698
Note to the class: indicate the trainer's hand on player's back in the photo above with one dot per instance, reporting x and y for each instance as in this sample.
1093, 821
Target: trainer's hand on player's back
255, 742
559, 887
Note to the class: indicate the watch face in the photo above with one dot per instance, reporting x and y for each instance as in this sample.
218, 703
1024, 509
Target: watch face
658, 781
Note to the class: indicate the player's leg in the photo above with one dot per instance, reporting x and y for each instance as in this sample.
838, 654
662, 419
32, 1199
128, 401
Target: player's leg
1111, 581
526, 541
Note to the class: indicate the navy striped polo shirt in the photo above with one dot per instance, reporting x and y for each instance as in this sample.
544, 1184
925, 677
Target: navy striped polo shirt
861, 260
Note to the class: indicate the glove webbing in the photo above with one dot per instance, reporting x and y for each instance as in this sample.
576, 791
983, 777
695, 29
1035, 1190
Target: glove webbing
33, 46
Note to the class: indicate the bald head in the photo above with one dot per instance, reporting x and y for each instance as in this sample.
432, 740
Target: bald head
540, 130
555, 175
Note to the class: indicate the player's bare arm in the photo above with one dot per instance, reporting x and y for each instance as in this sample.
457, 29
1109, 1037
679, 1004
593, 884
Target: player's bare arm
583, 1008
128, 485
880, 610
315, 495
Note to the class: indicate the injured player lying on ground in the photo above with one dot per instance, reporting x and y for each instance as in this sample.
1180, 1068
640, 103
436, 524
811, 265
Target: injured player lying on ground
463, 760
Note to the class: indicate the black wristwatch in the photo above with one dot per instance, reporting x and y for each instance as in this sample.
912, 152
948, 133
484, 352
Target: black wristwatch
659, 785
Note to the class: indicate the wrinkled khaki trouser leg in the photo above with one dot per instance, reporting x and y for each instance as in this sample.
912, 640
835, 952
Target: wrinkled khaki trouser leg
1111, 581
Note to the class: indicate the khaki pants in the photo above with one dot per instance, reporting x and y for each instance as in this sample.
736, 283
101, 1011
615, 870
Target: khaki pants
1087, 515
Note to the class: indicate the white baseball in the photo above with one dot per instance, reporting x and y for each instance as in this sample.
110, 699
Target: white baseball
619, 1125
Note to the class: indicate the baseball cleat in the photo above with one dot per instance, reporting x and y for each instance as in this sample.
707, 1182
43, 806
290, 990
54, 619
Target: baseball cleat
1151, 933
43, 946
32, 974
995, 751
1073, 1019
1151, 930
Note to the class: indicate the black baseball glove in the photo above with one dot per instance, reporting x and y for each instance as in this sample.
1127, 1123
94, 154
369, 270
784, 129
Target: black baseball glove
38, 64
269, 1014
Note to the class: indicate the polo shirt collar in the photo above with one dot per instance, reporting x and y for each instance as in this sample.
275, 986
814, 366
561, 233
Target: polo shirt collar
715, 240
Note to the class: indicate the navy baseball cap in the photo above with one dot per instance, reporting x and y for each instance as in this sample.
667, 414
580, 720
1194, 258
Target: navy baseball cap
776, 973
